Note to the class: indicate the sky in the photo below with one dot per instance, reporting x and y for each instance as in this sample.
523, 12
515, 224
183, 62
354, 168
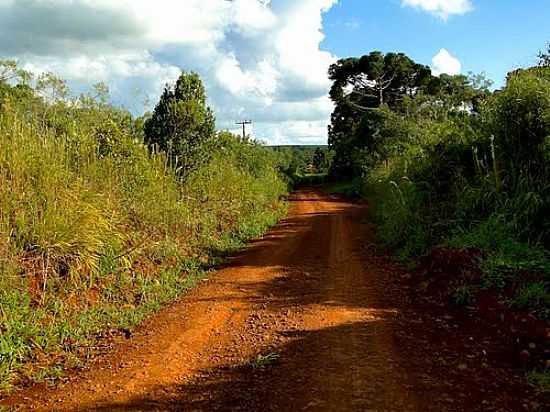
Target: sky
262, 60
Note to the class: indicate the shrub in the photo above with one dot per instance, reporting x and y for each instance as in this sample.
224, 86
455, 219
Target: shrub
519, 118
403, 223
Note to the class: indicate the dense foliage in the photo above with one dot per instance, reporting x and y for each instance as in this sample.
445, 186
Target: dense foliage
304, 163
451, 163
96, 229
182, 124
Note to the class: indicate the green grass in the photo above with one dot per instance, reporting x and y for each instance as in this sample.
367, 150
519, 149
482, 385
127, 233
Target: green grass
262, 361
32, 331
352, 188
506, 263
95, 238
402, 223
534, 297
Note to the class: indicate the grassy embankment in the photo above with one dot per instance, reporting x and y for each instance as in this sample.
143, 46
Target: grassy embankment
96, 232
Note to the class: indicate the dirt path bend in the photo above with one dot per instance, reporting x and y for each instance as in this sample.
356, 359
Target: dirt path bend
306, 319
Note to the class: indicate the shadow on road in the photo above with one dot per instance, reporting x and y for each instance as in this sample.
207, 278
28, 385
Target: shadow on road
295, 381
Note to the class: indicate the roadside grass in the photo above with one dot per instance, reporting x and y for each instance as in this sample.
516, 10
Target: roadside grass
402, 223
411, 228
352, 188
534, 297
510, 263
40, 341
95, 238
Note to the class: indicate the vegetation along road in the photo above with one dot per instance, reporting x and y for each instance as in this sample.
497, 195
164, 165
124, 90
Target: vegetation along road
310, 317
152, 260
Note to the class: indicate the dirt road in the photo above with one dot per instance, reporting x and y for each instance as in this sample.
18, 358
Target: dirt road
309, 318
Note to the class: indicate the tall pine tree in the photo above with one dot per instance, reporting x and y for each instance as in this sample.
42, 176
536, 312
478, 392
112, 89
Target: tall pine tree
182, 124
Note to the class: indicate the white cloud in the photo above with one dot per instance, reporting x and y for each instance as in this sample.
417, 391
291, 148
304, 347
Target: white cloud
441, 8
444, 62
259, 59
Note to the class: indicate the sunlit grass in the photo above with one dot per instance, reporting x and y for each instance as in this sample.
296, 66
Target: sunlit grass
97, 233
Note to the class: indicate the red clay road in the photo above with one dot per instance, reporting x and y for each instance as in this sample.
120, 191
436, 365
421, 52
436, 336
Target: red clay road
308, 318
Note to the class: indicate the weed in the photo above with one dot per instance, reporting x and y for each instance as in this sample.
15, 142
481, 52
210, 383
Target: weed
402, 225
48, 373
351, 189
462, 296
262, 361
534, 297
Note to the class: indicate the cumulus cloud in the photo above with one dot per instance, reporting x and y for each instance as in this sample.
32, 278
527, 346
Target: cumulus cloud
444, 62
441, 8
259, 59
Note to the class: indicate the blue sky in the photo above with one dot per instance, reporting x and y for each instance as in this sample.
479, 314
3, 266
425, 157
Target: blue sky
496, 37
263, 60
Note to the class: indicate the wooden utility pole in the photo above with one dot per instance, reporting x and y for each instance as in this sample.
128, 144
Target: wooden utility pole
244, 123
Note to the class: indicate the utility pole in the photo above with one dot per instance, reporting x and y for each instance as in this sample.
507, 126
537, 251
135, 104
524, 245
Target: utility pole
243, 124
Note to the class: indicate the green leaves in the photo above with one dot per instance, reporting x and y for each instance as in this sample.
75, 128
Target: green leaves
182, 124
382, 101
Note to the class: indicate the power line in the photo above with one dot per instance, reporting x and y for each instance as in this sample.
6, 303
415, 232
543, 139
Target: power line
243, 124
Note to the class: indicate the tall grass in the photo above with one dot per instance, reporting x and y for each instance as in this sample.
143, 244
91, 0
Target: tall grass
475, 180
96, 232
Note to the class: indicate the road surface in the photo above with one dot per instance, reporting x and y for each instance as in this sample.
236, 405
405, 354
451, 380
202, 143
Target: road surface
308, 318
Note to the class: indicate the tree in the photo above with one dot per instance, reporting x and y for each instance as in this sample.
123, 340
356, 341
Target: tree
9, 71
371, 95
182, 123
544, 57
319, 160
361, 86
15, 83
375, 79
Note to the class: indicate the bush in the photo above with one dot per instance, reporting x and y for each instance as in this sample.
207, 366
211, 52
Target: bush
540, 379
403, 224
457, 165
519, 118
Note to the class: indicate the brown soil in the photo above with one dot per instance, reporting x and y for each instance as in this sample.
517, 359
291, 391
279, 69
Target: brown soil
340, 322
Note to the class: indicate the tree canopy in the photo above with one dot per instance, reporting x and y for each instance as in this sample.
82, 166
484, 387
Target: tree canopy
182, 123
366, 91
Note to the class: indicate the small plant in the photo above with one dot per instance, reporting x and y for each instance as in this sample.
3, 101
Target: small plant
535, 297
48, 374
496, 272
462, 296
261, 361
540, 379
